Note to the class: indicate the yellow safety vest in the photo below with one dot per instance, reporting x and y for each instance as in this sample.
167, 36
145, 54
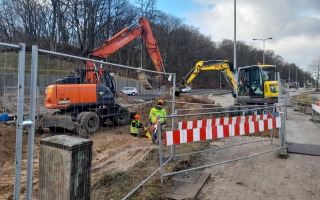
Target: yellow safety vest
134, 130
157, 111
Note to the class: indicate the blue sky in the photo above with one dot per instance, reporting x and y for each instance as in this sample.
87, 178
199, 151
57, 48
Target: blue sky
294, 25
178, 8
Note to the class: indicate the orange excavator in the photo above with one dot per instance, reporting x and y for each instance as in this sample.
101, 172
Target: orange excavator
87, 99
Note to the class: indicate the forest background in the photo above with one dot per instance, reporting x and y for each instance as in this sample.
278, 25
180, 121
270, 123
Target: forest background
74, 27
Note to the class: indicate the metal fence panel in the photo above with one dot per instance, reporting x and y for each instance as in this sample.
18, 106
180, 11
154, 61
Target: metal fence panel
114, 149
241, 135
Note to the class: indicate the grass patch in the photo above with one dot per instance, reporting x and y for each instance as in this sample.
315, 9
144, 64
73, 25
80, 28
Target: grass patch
47, 65
304, 98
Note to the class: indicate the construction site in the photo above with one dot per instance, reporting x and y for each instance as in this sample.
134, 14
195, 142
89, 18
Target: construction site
119, 160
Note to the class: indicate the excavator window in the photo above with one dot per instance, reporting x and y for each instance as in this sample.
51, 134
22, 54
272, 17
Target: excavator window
250, 82
109, 81
243, 83
256, 82
269, 74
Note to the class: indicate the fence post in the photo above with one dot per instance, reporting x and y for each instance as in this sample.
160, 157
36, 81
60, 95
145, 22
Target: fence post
173, 147
21, 87
5, 97
282, 143
31, 131
160, 147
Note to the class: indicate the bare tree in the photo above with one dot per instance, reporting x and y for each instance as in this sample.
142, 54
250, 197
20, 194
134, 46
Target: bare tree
315, 70
8, 22
27, 11
87, 24
147, 8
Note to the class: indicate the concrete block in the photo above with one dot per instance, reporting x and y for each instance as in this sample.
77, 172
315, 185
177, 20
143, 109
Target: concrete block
65, 168
186, 185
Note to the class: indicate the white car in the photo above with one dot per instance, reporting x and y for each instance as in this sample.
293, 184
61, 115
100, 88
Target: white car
186, 89
129, 90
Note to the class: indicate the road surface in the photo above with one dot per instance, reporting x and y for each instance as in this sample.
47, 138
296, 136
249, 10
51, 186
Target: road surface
152, 96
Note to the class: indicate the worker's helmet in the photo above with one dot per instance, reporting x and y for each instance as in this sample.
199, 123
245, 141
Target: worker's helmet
136, 116
160, 101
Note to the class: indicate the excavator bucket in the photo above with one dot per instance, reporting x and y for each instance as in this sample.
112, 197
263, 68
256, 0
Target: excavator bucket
147, 81
144, 80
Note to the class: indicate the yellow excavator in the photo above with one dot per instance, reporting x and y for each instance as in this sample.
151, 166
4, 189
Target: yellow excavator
251, 85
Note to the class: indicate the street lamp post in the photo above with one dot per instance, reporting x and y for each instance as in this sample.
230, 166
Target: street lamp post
264, 40
297, 85
296, 74
289, 74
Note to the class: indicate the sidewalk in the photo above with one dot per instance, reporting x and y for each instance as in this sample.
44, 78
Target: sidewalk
302, 135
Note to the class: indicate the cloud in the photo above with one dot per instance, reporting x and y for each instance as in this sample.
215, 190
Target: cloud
294, 25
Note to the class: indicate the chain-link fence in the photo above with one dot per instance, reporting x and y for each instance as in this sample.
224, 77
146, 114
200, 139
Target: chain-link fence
79, 142
103, 113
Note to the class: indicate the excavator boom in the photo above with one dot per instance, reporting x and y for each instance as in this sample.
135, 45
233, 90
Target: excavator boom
210, 65
151, 44
121, 39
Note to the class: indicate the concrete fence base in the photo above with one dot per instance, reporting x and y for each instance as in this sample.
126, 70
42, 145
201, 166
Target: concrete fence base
64, 168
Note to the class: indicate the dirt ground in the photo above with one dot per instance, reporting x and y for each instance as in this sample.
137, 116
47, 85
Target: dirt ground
262, 177
113, 147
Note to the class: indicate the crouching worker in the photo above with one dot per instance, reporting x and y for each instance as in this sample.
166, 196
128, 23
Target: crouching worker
138, 129
135, 126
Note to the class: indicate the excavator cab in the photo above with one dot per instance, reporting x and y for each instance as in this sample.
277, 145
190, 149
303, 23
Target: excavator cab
250, 82
257, 85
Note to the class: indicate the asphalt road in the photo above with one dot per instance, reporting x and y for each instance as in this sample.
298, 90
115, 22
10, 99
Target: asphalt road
152, 96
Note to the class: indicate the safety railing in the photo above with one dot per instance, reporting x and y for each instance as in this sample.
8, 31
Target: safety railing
222, 128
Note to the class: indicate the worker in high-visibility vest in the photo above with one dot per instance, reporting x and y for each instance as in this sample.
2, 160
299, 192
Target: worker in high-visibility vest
155, 112
135, 126
158, 111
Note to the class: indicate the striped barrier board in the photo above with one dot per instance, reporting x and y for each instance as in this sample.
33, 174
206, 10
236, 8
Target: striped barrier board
316, 107
182, 136
224, 121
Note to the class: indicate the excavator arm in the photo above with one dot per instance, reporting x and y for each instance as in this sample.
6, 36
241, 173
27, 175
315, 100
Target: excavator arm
121, 39
209, 65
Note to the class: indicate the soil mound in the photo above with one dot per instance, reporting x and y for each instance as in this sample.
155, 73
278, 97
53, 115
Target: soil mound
8, 143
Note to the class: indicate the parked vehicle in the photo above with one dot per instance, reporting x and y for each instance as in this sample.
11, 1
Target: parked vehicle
186, 89
129, 90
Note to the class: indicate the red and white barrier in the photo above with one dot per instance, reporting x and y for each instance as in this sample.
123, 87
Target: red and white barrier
316, 107
222, 121
220, 131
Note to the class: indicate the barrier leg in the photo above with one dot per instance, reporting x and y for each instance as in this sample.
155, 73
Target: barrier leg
283, 152
173, 152
160, 151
